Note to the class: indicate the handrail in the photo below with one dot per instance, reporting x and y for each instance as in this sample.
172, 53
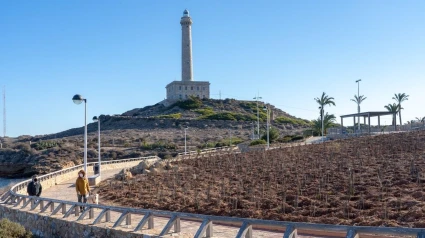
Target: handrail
246, 224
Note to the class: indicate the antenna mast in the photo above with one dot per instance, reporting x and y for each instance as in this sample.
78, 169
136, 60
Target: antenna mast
4, 111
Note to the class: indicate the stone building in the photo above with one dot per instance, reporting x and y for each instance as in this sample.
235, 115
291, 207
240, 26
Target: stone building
177, 90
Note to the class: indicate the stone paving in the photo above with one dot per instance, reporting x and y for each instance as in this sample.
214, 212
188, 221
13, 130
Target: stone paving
66, 191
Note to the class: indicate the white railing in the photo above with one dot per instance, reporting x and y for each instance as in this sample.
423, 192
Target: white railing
210, 150
66, 208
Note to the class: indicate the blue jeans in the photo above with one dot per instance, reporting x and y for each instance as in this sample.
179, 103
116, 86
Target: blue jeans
82, 199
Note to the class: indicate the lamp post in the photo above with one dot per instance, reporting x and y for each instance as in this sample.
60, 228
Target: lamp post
95, 118
78, 99
268, 126
185, 150
358, 103
322, 111
258, 117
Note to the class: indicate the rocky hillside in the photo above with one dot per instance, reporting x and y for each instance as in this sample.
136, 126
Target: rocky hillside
208, 109
152, 130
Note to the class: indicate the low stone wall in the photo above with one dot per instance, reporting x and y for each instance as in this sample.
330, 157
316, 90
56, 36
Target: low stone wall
46, 226
50, 180
124, 165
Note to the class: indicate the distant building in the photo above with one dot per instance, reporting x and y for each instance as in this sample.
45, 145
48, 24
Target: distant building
177, 90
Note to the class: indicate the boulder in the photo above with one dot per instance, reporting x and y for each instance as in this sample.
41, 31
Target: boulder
146, 171
146, 164
127, 175
159, 165
155, 171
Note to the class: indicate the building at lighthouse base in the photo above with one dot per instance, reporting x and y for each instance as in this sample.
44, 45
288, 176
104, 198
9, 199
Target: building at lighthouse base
182, 90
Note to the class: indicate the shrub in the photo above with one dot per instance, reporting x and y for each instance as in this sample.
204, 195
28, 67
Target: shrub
44, 145
220, 116
229, 116
191, 103
294, 121
158, 145
226, 142
13, 230
25, 147
295, 138
205, 111
258, 142
170, 116
273, 135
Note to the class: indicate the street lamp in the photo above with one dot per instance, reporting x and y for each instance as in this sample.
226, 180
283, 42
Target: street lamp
78, 99
268, 126
185, 148
258, 117
95, 118
358, 102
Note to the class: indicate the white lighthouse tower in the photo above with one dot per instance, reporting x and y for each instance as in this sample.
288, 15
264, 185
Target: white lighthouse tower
187, 64
182, 90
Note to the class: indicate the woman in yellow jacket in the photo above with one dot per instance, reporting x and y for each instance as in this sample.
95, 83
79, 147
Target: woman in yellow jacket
82, 187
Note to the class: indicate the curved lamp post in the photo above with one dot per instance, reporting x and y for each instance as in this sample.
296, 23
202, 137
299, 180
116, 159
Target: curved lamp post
78, 99
95, 118
358, 103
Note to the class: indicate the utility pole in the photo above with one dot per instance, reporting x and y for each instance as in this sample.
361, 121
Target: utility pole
258, 116
4, 112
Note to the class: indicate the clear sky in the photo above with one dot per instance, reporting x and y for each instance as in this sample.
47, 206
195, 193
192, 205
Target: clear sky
120, 55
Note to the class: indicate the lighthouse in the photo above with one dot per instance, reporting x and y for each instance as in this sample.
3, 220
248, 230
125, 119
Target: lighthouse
187, 86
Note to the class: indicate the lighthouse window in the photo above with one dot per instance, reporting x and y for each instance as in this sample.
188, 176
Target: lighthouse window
191, 88
198, 88
185, 88
180, 87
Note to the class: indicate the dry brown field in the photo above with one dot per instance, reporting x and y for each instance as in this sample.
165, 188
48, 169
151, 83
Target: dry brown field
367, 181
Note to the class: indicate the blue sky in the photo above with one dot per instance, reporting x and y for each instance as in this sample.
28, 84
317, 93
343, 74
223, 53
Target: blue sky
120, 55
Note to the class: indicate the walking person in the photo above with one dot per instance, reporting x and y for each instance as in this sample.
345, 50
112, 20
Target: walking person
34, 187
82, 188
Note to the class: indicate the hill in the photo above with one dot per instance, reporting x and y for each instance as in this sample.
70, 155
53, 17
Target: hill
152, 130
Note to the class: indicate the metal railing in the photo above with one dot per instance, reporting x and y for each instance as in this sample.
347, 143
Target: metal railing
209, 150
246, 225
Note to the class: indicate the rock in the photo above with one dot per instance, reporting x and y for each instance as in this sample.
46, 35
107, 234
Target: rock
146, 171
118, 177
146, 164
155, 171
127, 175
168, 166
159, 165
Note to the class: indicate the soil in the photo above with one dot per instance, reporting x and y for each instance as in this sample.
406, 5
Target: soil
366, 181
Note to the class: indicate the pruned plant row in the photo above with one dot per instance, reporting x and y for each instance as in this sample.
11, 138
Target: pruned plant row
375, 180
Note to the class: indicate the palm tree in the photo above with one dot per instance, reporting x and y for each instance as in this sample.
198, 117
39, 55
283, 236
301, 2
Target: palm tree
401, 97
328, 122
421, 119
323, 101
393, 108
358, 100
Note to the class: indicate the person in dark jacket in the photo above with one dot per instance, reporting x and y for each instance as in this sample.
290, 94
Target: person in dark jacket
34, 187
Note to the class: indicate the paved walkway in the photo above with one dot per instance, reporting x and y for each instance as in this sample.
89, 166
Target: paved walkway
66, 191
